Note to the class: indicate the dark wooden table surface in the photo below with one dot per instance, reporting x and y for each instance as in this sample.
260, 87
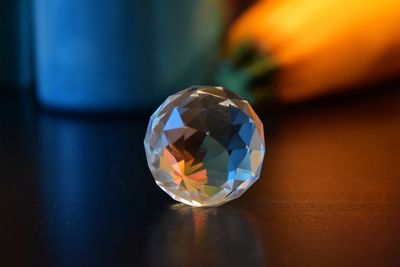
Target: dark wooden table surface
76, 191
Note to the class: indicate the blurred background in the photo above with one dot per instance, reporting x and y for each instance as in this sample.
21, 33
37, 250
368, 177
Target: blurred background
105, 56
79, 80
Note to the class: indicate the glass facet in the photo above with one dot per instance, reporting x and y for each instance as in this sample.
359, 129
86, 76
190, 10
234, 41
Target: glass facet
205, 146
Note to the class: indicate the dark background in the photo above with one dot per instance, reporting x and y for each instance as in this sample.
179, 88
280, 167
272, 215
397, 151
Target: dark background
76, 191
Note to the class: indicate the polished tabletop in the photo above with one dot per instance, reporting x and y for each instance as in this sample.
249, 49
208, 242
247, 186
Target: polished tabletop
75, 190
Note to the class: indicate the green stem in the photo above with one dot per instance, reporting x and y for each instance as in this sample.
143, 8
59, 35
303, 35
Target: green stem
249, 72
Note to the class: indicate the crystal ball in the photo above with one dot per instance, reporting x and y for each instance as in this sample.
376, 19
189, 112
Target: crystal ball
205, 146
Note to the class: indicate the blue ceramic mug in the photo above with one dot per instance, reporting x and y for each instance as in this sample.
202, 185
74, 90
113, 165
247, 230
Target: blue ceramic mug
103, 55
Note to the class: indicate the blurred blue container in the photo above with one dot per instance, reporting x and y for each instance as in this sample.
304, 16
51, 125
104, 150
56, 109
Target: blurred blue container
15, 44
103, 55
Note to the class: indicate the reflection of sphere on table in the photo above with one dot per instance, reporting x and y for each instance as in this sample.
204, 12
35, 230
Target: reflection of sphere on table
204, 237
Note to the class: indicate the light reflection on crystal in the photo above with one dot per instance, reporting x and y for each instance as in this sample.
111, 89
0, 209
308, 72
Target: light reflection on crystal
205, 146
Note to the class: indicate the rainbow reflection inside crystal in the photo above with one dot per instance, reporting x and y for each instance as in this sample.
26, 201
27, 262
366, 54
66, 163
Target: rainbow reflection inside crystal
205, 146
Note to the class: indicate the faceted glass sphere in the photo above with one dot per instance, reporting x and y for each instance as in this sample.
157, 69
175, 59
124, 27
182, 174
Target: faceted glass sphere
205, 146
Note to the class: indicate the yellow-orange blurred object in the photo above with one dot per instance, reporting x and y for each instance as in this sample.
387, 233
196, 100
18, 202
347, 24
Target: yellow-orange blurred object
323, 46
